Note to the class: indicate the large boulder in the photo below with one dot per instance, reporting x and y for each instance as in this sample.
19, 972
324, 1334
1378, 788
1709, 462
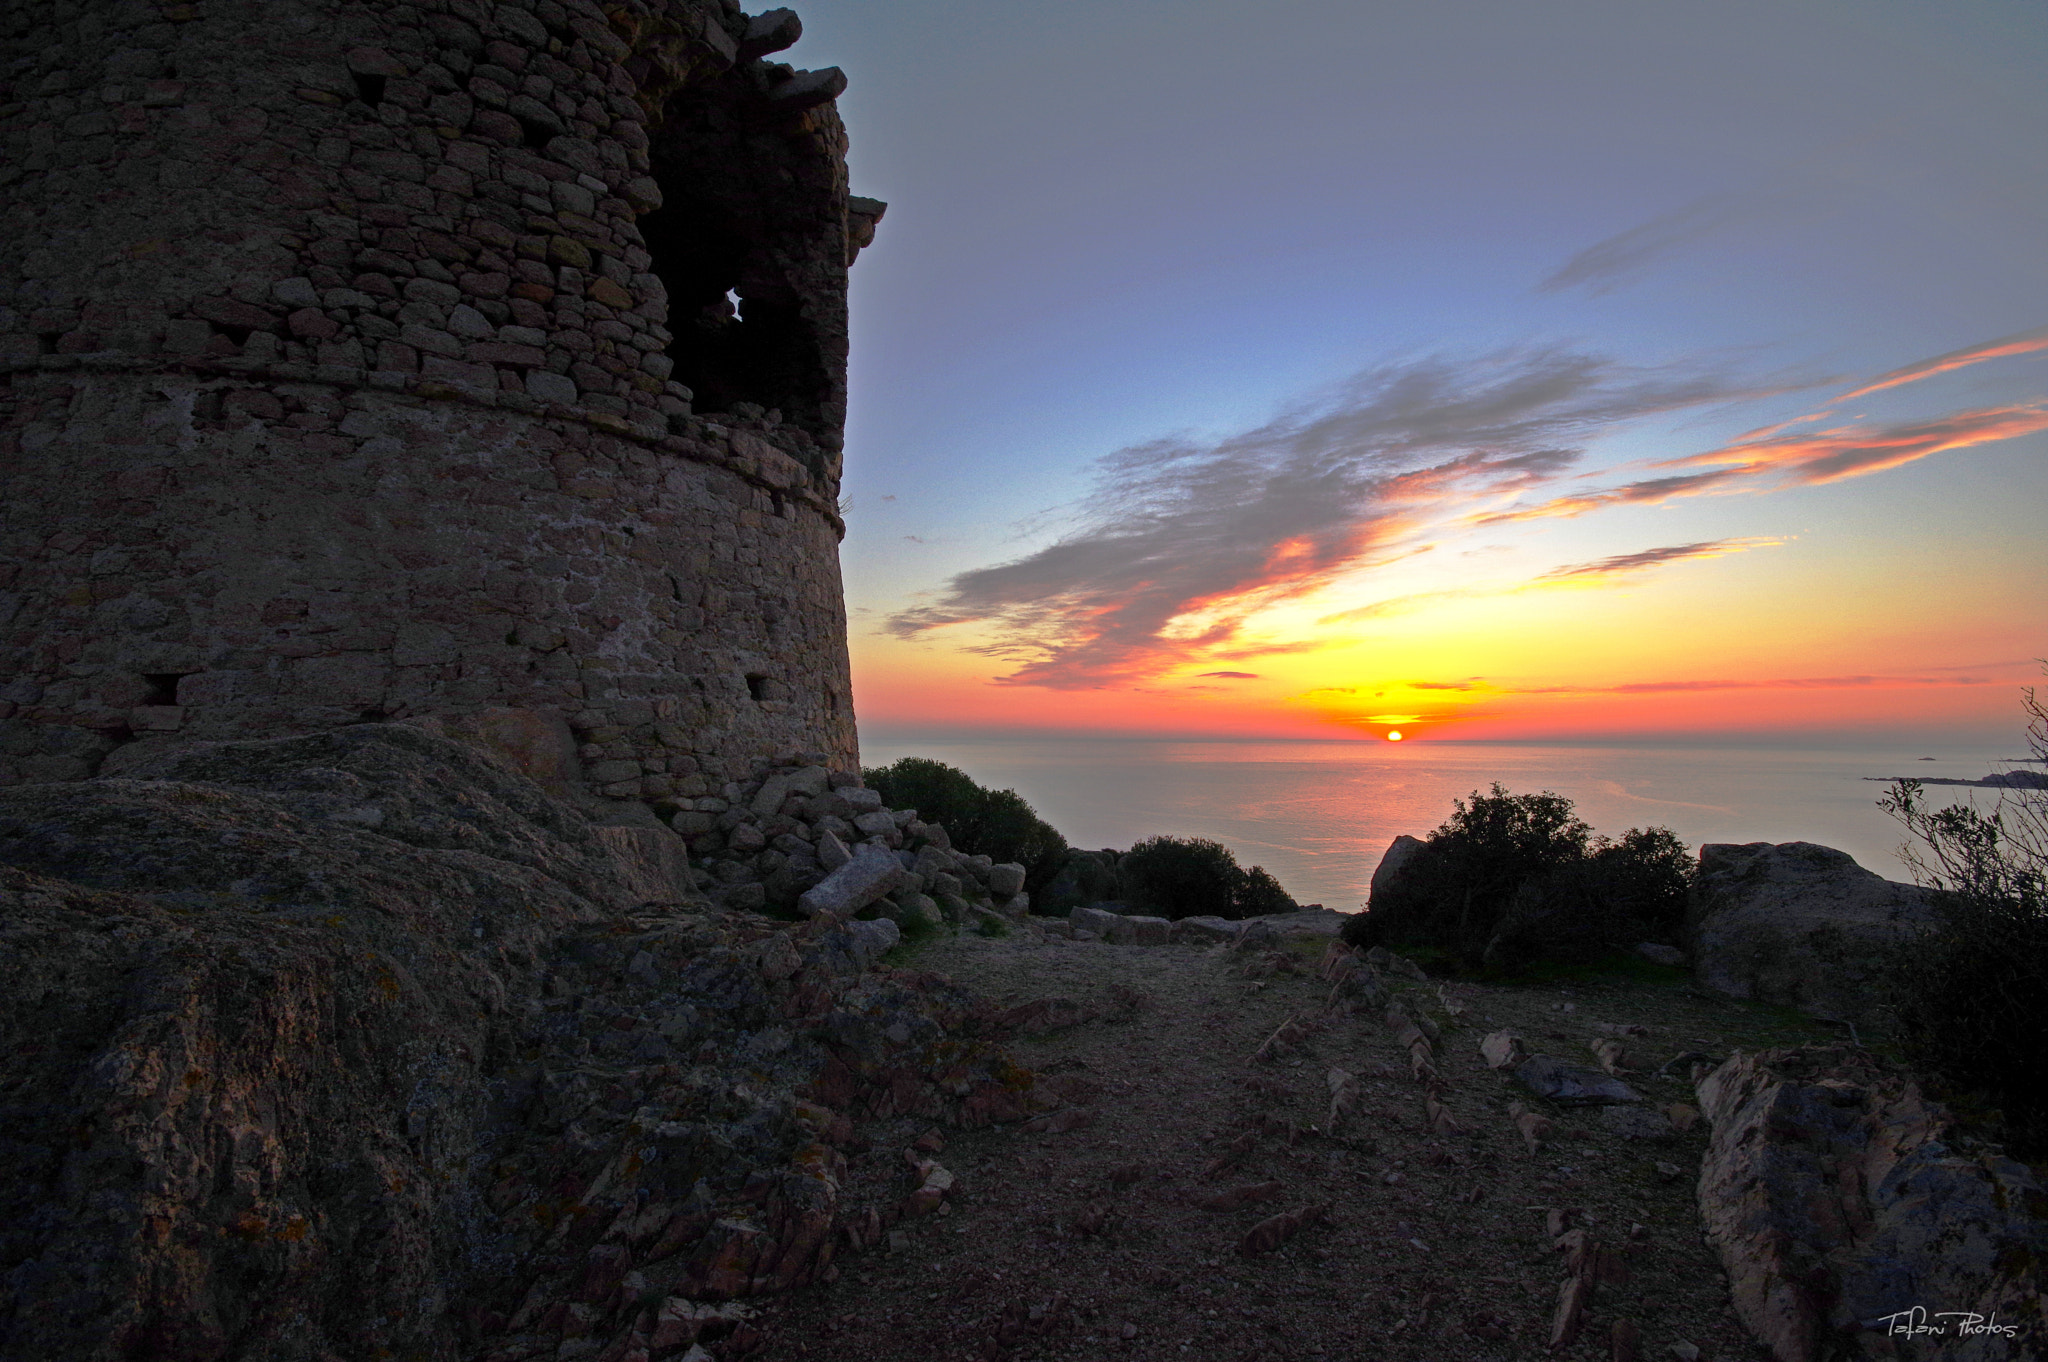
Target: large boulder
1399, 894
1798, 924
1400, 857
1840, 1200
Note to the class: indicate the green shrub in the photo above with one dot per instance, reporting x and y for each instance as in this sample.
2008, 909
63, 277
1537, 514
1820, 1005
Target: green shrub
1509, 880
998, 824
1177, 877
1970, 993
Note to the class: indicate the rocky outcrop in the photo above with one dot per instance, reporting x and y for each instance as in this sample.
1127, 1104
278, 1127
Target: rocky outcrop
1798, 924
299, 1024
1847, 1210
1400, 857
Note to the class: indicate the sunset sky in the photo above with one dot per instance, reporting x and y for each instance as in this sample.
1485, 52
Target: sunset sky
1574, 371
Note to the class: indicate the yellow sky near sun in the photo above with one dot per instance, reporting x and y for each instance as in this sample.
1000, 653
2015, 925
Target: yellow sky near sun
1789, 635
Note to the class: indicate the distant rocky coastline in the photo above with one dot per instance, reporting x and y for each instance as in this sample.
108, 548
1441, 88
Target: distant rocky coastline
1997, 780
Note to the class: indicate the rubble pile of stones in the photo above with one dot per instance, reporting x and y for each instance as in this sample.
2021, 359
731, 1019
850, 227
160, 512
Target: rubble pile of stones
776, 842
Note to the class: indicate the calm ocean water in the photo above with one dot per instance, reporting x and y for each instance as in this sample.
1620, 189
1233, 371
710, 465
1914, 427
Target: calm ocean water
1318, 815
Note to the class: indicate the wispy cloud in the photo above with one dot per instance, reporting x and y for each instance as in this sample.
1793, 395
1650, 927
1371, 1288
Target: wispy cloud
1605, 265
1848, 452
1232, 676
1184, 539
2022, 343
1801, 460
1644, 559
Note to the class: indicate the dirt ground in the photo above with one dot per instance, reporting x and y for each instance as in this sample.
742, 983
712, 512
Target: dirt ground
1436, 1244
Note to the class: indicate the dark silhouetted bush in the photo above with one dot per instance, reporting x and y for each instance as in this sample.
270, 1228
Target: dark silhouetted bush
1259, 894
1177, 877
1083, 877
1971, 992
998, 824
1510, 880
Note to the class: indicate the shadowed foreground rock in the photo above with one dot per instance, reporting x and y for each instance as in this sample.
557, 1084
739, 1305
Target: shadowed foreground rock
1838, 1197
356, 1045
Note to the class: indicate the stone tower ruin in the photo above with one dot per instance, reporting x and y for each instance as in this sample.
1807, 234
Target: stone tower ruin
387, 359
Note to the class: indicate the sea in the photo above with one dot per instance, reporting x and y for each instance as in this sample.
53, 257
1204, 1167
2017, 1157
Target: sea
1318, 815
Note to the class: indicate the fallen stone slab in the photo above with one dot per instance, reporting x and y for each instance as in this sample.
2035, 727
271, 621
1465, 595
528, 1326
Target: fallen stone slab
1842, 1201
869, 876
1571, 1084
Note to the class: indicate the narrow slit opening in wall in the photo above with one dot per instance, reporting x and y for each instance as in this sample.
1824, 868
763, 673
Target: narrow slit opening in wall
534, 133
370, 89
757, 685
163, 687
732, 220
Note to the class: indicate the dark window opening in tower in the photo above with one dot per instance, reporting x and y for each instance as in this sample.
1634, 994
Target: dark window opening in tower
728, 243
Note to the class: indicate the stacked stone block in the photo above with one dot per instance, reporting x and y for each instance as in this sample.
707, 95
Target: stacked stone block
338, 379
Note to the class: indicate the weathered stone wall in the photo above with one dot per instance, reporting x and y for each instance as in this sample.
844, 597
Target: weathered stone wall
378, 360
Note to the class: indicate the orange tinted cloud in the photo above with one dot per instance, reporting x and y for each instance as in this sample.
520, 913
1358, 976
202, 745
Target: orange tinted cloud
1796, 461
2021, 343
1830, 455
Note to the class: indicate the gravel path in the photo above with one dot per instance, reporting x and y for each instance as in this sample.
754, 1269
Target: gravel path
1436, 1244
